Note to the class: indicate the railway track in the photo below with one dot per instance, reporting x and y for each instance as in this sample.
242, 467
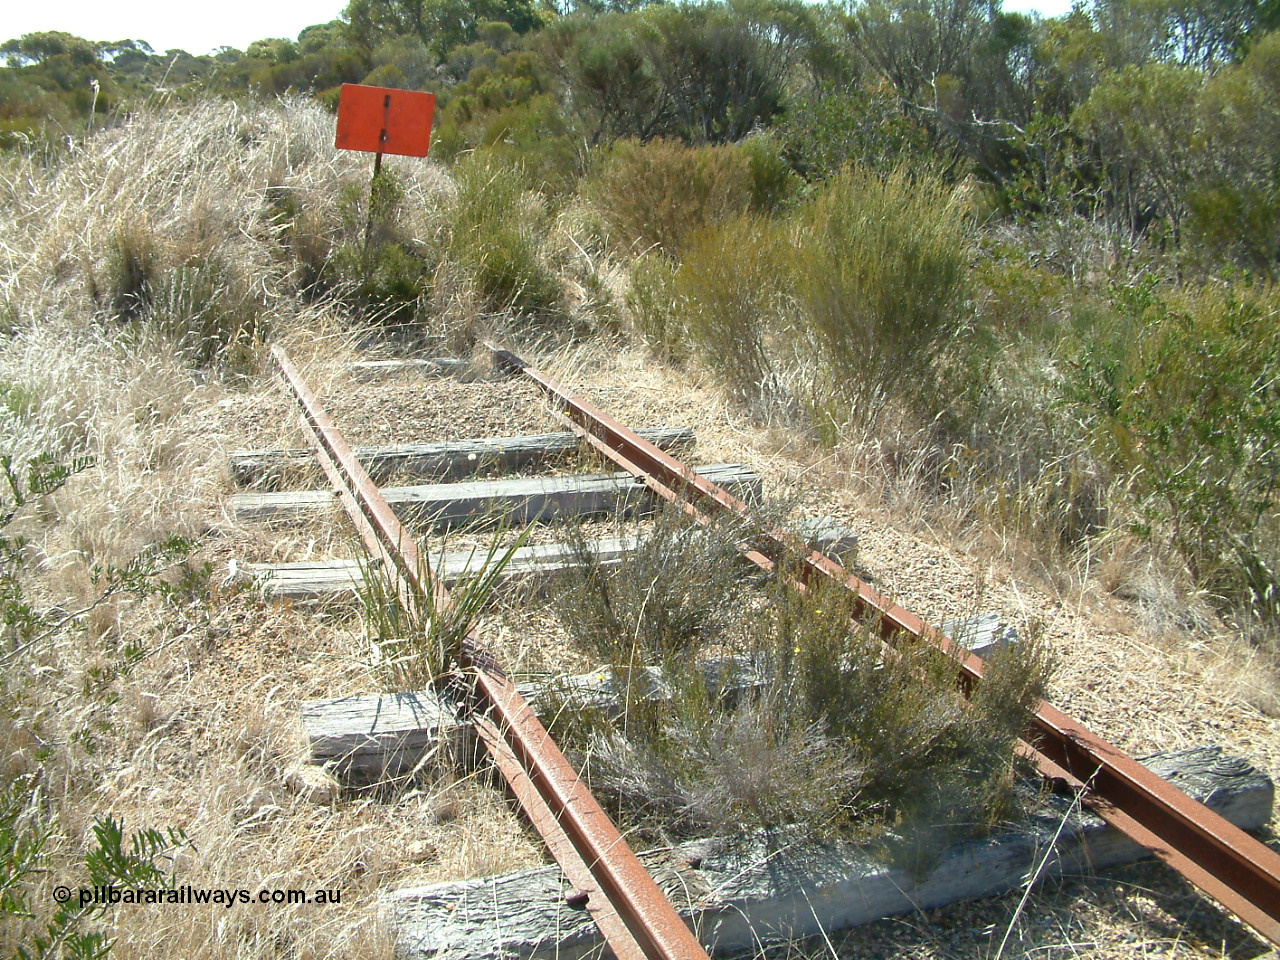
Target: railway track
609, 882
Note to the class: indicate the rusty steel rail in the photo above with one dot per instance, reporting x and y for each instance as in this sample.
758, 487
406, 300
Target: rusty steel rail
634, 916
1228, 864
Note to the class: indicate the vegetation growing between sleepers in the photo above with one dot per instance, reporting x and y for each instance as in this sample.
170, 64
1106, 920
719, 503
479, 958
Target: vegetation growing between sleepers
771, 707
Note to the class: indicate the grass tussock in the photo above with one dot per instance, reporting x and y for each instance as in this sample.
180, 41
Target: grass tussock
880, 272
771, 708
419, 643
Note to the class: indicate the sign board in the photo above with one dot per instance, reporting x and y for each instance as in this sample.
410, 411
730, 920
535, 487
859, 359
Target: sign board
384, 120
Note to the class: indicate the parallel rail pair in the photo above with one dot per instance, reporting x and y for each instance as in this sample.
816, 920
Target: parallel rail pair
633, 915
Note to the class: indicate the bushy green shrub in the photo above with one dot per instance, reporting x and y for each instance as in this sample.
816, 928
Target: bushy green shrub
654, 195
536, 134
671, 596
730, 288
654, 307
1018, 300
540, 136
497, 239
134, 861
773, 182
863, 127
1235, 200
377, 271
932, 764
880, 272
850, 303
380, 282
1181, 393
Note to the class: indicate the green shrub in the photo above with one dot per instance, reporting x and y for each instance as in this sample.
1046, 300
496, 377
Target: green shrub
1238, 222
497, 239
673, 595
771, 708
1235, 199
378, 272
654, 195
21, 399
654, 307
857, 127
381, 282
730, 288
933, 766
537, 135
1180, 391
134, 861
879, 268
510, 274
1017, 300
851, 303
773, 182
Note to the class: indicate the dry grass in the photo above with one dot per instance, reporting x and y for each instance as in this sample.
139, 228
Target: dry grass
180, 709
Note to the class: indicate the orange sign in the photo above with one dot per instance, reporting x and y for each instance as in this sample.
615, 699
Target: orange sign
384, 120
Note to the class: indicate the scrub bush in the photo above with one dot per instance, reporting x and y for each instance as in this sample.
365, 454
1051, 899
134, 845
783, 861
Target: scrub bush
771, 707
655, 195
498, 237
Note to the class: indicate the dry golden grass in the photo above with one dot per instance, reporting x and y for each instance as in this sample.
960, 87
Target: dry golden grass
182, 711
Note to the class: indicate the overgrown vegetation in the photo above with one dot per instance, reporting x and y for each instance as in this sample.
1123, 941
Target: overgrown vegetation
419, 640
375, 268
136, 277
1183, 402
27, 825
498, 227
1017, 272
137, 864
770, 708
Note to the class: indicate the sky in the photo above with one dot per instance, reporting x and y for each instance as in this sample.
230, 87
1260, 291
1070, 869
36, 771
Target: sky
203, 27
198, 28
